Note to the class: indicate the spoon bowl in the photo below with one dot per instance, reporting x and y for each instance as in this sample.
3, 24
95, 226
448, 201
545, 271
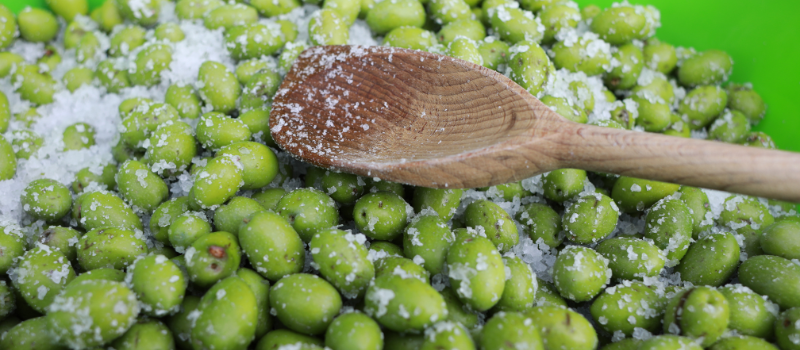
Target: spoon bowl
402, 114
430, 120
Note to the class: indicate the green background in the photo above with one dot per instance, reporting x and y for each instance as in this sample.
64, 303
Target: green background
762, 37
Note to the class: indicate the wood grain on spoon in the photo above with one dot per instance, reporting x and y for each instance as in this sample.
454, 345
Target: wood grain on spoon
430, 120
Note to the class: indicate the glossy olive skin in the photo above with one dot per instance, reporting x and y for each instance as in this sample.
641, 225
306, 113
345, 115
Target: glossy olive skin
700, 312
647, 261
79, 304
773, 276
289, 296
229, 310
711, 260
475, 268
562, 328
580, 273
392, 293
342, 261
750, 314
622, 308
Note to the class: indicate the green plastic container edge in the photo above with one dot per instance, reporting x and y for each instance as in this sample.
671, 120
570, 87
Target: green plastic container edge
762, 39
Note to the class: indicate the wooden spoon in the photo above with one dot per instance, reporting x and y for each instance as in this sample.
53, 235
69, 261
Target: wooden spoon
431, 120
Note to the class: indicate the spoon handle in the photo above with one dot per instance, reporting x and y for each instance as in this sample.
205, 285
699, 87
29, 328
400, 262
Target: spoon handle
715, 165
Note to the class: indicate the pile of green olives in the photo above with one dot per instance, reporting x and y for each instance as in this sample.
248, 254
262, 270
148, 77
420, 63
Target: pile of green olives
201, 234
